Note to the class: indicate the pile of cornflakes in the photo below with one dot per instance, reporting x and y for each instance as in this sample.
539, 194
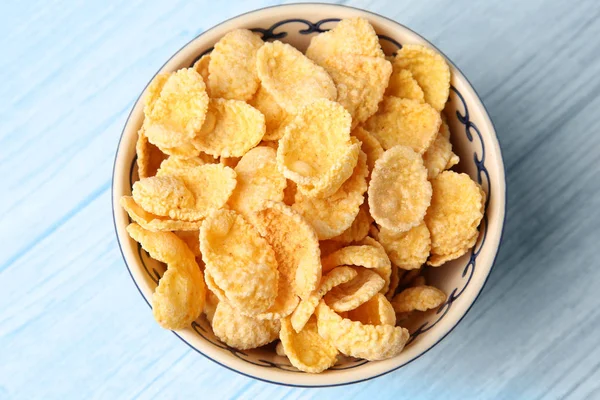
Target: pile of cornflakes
298, 197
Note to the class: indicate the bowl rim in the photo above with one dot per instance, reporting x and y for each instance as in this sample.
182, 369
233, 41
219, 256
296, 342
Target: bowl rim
494, 138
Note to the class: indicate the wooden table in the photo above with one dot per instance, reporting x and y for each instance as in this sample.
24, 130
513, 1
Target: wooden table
72, 323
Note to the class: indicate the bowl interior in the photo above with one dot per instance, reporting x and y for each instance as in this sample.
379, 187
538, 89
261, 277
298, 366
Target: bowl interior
473, 139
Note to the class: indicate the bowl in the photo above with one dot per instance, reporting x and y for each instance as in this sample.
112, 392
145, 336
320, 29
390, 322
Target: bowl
474, 140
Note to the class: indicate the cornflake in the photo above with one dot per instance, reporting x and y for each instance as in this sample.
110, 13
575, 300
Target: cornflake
399, 192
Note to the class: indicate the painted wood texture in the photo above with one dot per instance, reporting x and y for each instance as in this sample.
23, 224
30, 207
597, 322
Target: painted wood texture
72, 323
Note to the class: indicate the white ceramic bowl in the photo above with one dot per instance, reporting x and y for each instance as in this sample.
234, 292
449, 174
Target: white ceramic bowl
473, 138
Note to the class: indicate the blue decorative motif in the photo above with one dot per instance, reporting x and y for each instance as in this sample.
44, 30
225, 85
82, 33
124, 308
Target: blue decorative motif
469, 270
268, 34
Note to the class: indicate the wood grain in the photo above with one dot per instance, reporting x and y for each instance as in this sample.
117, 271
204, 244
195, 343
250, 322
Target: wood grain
72, 323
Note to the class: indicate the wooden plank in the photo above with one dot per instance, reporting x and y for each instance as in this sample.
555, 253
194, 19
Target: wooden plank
73, 324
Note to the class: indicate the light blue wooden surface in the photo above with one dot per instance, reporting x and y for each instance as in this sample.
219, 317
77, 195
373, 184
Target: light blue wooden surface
72, 324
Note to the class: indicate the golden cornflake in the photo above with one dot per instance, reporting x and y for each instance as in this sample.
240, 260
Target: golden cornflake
429, 69
179, 298
149, 156
352, 36
408, 250
404, 122
399, 193
240, 261
258, 181
276, 118
307, 306
307, 350
319, 163
360, 83
232, 128
369, 145
332, 215
241, 331
377, 311
355, 339
293, 80
359, 290
232, 66
439, 155
454, 216
403, 85
295, 244
176, 110
419, 298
